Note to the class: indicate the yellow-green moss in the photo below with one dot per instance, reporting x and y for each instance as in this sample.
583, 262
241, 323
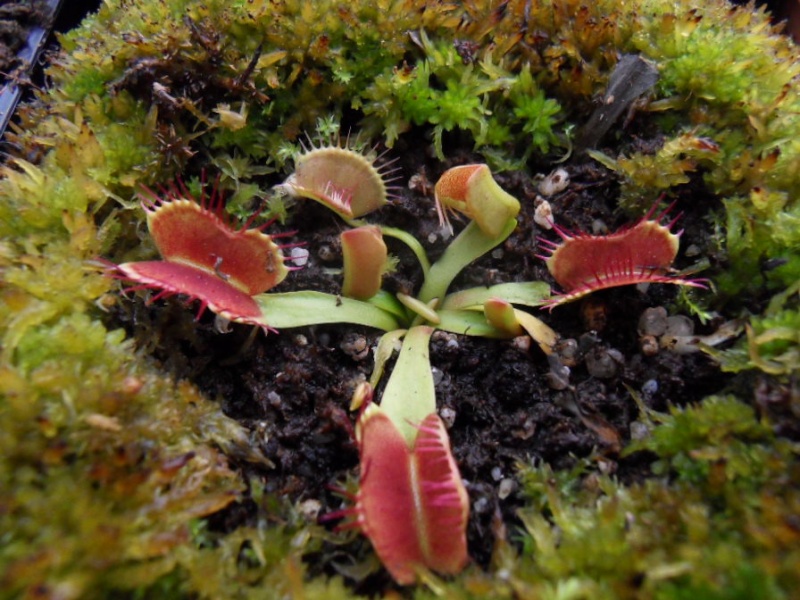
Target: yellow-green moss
709, 527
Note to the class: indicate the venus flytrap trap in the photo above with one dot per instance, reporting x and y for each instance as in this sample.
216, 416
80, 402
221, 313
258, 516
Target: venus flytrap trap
502, 315
205, 257
472, 191
341, 177
365, 256
641, 253
411, 502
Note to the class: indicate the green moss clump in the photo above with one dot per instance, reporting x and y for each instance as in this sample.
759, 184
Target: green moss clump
713, 446
451, 91
104, 467
710, 527
772, 343
647, 176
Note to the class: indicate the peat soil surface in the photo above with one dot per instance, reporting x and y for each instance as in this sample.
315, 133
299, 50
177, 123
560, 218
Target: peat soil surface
292, 388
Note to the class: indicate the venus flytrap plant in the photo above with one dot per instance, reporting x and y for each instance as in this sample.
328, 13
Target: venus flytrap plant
411, 503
